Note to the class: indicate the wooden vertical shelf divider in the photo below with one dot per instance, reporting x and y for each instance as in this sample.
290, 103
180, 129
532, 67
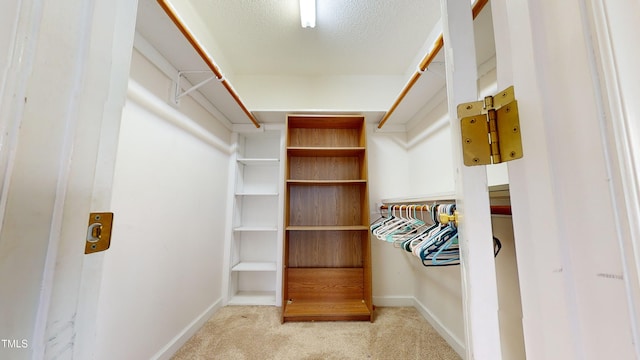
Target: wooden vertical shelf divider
327, 251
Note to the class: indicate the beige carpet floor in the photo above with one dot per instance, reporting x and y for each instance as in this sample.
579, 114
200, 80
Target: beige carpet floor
255, 333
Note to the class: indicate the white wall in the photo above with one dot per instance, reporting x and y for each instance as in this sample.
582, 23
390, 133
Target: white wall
162, 276
429, 170
438, 290
319, 93
388, 164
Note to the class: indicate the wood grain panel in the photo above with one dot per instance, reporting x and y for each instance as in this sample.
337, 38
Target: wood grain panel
326, 205
321, 284
325, 168
327, 264
304, 151
313, 137
307, 310
325, 121
326, 248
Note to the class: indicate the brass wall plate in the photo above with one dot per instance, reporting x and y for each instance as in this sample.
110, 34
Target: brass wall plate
509, 129
475, 144
98, 232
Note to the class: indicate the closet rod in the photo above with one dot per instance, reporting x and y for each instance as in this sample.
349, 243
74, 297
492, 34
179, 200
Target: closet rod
495, 209
426, 61
207, 59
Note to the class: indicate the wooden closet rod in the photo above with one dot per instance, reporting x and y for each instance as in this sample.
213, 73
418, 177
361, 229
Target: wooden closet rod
426, 61
495, 209
208, 60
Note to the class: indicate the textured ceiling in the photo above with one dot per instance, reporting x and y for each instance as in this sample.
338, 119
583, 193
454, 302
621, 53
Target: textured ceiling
255, 38
355, 37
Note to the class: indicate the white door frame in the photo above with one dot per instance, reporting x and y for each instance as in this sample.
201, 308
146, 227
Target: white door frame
578, 284
62, 95
479, 284
614, 51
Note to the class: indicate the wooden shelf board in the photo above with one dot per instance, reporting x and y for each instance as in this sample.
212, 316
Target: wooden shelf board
327, 228
326, 182
325, 121
301, 310
253, 298
324, 151
254, 266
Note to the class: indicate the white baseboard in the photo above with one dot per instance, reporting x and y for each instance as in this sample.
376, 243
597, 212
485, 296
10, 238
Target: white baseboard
393, 301
176, 343
456, 343
396, 301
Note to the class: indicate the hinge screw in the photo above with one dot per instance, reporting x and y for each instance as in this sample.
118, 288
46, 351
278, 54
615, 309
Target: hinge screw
513, 154
468, 141
475, 160
515, 129
508, 109
473, 121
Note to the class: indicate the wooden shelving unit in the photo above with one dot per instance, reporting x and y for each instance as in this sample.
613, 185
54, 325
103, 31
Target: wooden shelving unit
327, 253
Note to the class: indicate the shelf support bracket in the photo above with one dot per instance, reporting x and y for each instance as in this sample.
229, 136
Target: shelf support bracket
178, 88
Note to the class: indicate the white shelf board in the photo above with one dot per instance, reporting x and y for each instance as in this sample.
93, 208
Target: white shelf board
259, 162
255, 228
444, 196
254, 266
494, 191
256, 194
253, 298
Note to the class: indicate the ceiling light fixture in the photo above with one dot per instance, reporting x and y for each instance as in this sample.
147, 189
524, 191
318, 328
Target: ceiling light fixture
308, 13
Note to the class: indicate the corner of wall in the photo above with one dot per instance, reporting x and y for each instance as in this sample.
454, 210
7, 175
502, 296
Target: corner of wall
181, 338
455, 342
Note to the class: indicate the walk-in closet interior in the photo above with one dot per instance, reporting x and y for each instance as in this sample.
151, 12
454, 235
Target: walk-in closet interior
299, 191
326, 170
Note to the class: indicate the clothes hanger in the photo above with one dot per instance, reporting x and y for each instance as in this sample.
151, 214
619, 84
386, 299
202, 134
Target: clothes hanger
439, 238
418, 226
409, 228
411, 243
379, 221
390, 227
427, 239
391, 219
435, 244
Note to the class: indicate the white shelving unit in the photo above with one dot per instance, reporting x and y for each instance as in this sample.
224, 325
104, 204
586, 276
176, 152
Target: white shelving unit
255, 250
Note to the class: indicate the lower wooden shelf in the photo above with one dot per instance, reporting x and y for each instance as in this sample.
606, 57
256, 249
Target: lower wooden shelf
328, 310
325, 294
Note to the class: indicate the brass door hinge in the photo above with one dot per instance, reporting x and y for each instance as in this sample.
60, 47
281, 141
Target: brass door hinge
490, 129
